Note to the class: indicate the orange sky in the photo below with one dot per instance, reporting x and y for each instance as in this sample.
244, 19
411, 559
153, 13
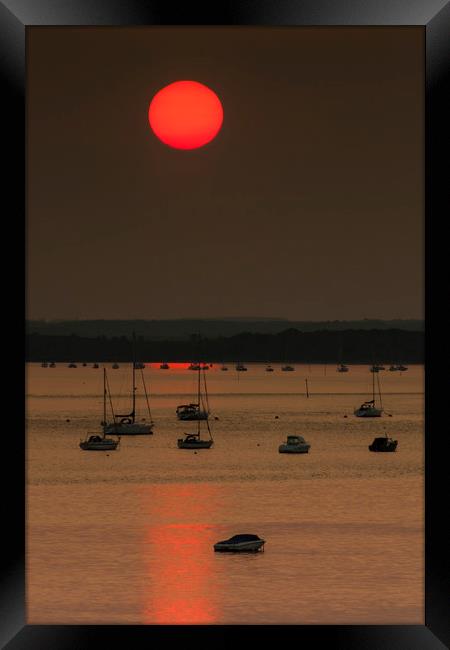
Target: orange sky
307, 205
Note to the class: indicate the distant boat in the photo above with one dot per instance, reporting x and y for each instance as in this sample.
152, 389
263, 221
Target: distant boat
205, 366
193, 440
127, 425
52, 365
44, 364
368, 409
139, 365
95, 365
164, 366
96, 442
240, 544
342, 368
294, 445
224, 368
84, 365
269, 369
402, 368
376, 368
383, 444
241, 368
393, 368
287, 368
115, 366
72, 365
194, 366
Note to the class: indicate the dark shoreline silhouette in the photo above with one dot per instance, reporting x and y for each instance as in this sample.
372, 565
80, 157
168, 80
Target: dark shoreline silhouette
326, 346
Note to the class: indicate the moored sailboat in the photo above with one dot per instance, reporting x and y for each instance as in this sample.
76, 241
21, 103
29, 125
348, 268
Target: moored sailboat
193, 440
96, 442
128, 425
369, 409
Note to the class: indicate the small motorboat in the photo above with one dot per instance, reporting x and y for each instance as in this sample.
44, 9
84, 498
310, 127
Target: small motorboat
393, 368
342, 368
205, 366
191, 412
194, 366
269, 369
95, 365
164, 366
99, 443
224, 368
84, 365
52, 365
241, 368
383, 444
115, 366
294, 445
139, 365
402, 368
240, 544
287, 368
72, 365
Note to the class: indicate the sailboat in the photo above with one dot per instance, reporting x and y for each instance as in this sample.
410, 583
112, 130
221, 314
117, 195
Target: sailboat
368, 409
95, 442
193, 440
127, 425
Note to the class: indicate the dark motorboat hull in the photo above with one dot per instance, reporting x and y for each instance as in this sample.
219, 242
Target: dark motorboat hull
246, 547
194, 444
387, 447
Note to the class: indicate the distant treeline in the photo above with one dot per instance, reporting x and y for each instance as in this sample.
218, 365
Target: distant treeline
348, 346
183, 328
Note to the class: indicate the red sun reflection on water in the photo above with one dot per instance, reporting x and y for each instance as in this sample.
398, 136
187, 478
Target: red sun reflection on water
179, 559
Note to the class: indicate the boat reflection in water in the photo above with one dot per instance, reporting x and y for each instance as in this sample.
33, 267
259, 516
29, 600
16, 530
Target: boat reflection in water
180, 584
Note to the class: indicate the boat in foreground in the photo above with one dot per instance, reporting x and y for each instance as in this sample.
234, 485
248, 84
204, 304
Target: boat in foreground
240, 544
294, 445
383, 444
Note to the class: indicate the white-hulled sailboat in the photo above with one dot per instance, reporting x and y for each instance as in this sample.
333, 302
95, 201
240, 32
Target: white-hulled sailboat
193, 440
127, 424
368, 409
96, 442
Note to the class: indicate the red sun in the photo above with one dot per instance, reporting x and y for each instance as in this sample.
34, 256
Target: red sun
185, 114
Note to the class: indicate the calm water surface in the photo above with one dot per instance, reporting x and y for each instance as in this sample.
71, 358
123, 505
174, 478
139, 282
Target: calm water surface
126, 536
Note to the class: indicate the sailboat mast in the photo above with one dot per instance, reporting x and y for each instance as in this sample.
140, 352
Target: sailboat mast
134, 373
198, 400
104, 401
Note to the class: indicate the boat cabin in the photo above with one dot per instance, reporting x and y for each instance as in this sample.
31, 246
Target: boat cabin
295, 440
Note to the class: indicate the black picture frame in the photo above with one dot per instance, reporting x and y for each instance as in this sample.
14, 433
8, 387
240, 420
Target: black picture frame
434, 17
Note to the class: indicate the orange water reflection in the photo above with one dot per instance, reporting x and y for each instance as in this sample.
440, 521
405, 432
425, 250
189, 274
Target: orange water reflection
180, 584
